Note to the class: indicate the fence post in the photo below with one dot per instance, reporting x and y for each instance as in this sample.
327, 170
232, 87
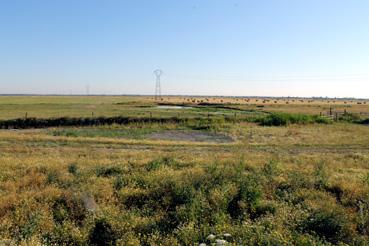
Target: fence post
330, 111
336, 116
26, 115
92, 114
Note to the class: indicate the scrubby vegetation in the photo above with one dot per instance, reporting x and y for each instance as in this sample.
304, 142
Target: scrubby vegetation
274, 119
301, 184
284, 119
57, 122
174, 202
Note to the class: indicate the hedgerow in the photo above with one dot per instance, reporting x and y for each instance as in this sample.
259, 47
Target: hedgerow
284, 119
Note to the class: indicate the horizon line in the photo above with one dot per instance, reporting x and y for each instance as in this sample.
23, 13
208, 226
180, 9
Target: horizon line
178, 95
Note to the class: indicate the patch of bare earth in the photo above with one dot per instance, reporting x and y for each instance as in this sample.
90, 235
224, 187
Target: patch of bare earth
193, 136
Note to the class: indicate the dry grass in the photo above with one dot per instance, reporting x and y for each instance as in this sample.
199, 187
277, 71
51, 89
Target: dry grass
273, 185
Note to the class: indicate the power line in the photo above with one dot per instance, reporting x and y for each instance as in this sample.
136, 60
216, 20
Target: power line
273, 78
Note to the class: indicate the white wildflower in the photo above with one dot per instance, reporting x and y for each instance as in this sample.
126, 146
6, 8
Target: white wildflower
211, 237
220, 242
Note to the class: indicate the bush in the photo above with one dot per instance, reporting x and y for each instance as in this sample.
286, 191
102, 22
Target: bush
72, 169
329, 225
284, 119
69, 207
164, 161
247, 198
64, 234
199, 124
274, 120
263, 209
108, 171
321, 176
102, 234
271, 169
349, 117
120, 182
154, 165
53, 177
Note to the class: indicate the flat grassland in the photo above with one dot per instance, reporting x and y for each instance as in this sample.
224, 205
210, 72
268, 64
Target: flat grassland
238, 171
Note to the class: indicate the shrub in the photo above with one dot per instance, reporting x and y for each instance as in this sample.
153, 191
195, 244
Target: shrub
164, 161
199, 124
69, 207
349, 117
153, 165
72, 169
134, 198
271, 169
53, 177
108, 171
335, 190
263, 209
274, 120
321, 176
330, 225
366, 180
247, 198
64, 234
284, 119
120, 182
31, 226
102, 234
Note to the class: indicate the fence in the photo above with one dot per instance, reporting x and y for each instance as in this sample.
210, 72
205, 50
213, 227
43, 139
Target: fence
336, 115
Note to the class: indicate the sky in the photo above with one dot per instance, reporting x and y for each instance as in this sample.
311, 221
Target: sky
204, 47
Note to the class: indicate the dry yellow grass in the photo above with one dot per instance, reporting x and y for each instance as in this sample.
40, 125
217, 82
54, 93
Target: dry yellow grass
56, 189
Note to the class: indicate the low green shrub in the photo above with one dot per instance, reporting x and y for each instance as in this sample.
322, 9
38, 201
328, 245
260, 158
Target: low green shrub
330, 225
349, 117
108, 171
53, 177
157, 163
102, 234
284, 119
263, 209
120, 182
213, 123
247, 198
72, 169
321, 176
270, 169
69, 207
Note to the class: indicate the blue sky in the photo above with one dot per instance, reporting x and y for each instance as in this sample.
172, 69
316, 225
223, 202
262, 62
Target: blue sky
214, 47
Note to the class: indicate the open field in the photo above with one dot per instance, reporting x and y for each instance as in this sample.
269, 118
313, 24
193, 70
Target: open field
85, 106
219, 174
